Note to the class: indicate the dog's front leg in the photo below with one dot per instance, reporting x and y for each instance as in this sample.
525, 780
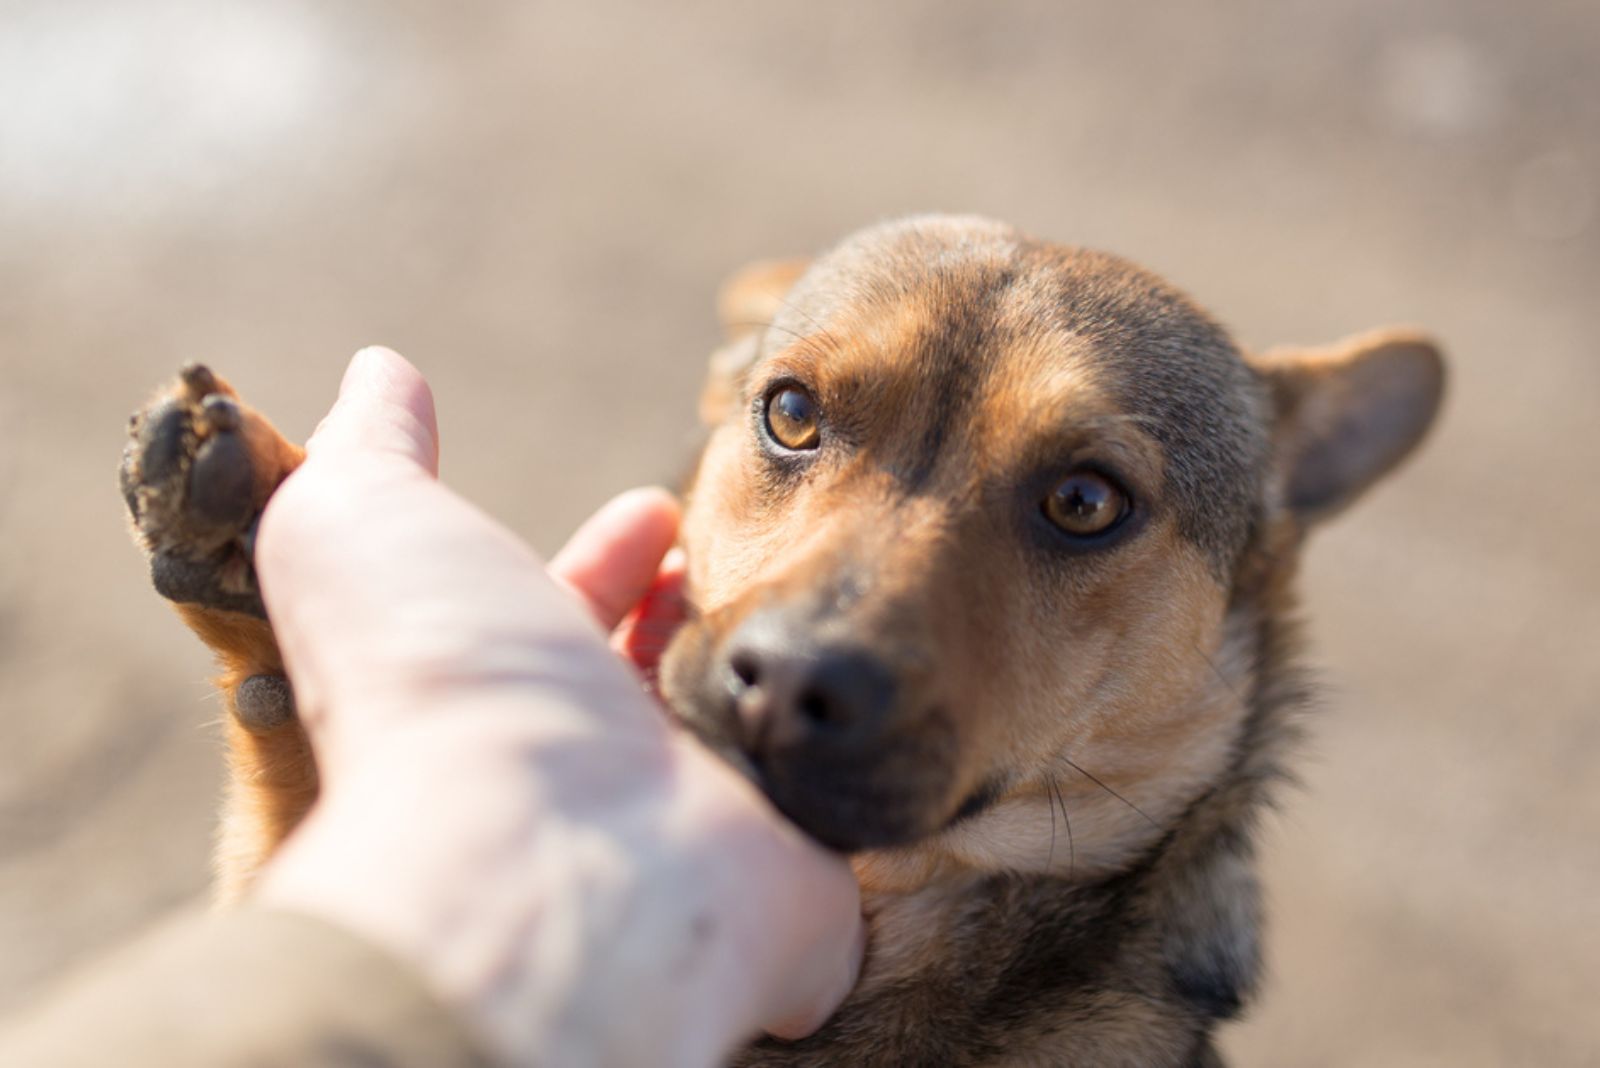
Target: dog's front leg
197, 471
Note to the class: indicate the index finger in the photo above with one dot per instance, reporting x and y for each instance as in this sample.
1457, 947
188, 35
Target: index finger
611, 561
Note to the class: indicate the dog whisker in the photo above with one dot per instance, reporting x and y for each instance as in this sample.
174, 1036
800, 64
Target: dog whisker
1212, 664
1050, 858
1054, 787
820, 346
1079, 769
767, 324
827, 335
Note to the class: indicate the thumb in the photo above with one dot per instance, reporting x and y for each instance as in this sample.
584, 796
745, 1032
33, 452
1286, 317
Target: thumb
384, 407
382, 585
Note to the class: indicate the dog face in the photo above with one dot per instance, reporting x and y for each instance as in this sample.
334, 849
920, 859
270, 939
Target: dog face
966, 539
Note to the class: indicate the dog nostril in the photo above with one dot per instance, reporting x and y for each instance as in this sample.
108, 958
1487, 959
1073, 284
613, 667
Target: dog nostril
815, 706
787, 690
746, 668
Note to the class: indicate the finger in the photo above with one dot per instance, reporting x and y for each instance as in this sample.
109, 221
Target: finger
643, 635
794, 909
384, 407
828, 939
612, 560
836, 975
375, 575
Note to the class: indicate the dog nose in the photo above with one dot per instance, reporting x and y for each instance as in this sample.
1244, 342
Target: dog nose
791, 692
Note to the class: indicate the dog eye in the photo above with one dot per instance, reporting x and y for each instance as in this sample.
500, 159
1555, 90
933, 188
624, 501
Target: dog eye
1086, 504
792, 418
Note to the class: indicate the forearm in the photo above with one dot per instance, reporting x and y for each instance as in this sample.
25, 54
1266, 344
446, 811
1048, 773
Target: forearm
251, 987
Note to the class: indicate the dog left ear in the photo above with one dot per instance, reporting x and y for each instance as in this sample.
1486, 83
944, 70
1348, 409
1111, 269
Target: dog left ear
746, 303
1349, 414
749, 300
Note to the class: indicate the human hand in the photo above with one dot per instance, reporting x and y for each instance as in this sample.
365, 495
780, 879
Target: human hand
502, 806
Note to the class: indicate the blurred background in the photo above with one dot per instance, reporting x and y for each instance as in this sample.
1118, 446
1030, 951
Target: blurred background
535, 202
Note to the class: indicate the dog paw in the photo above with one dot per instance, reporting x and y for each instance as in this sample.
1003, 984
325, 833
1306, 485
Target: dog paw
196, 472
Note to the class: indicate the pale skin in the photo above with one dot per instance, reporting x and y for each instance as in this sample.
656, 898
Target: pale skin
503, 806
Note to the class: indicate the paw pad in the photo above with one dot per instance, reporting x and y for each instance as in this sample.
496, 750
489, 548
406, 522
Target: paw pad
264, 702
195, 488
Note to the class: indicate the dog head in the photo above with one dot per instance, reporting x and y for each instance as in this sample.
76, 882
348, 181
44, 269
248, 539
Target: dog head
970, 538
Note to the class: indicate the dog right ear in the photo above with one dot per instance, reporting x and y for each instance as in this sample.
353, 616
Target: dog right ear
746, 304
1350, 413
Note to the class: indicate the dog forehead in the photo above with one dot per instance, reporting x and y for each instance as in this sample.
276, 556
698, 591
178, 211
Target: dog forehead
941, 316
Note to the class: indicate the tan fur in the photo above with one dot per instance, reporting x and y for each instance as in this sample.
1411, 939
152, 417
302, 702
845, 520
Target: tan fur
1080, 740
272, 779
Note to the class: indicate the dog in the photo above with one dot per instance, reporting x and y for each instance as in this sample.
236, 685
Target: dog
991, 554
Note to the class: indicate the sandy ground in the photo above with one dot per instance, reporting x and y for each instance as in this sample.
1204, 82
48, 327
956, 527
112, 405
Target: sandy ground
536, 203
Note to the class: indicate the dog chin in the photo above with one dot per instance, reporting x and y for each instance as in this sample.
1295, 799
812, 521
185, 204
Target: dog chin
892, 789
846, 814
848, 809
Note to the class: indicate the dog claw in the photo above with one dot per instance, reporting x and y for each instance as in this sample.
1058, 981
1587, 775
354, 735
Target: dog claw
199, 380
